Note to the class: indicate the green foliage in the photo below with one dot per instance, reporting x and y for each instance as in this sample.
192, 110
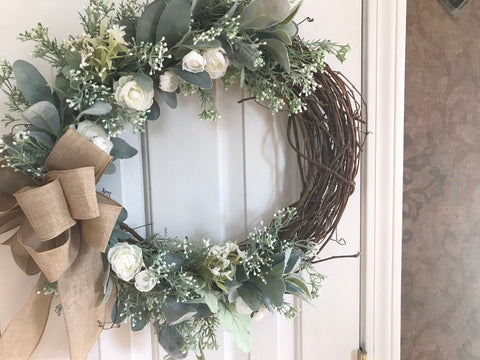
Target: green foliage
238, 325
31, 83
44, 115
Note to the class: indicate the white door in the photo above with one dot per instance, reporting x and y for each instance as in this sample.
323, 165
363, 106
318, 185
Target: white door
213, 180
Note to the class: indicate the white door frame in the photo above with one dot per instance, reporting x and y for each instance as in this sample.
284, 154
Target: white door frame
382, 178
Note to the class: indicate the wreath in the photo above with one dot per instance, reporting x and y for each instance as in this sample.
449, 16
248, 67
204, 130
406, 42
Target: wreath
132, 60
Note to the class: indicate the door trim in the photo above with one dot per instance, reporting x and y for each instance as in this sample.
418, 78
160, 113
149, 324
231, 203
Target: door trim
384, 30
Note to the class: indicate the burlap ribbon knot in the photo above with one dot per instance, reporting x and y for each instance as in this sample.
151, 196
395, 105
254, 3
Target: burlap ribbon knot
59, 229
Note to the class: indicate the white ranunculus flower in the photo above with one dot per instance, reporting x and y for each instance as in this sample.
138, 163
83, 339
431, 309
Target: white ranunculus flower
126, 260
194, 62
168, 81
242, 307
145, 280
216, 62
258, 315
128, 93
96, 134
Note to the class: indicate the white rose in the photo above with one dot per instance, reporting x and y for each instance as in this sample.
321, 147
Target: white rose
168, 82
242, 307
95, 133
126, 260
145, 280
216, 62
128, 93
258, 315
194, 62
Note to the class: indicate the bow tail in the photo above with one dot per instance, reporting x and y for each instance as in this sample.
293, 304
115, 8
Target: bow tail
26, 329
81, 289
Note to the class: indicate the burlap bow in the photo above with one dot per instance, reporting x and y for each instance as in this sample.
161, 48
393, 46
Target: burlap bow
60, 230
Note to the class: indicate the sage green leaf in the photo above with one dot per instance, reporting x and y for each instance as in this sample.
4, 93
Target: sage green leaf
172, 341
240, 273
176, 312
211, 301
110, 169
97, 109
121, 149
174, 22
293, 12
274, 289
293, 289
154, 111
291, 29
238, 325
123, 215
44, 115
140, 317
170, 98
107, 289
43, 138
230, 13
250, 296
119, 312
147, 23
300, 282
279, 52
31, 83
144, 81
202, 79
174, 260
294, 261
262, 14
196, 5
283, 36
202, 310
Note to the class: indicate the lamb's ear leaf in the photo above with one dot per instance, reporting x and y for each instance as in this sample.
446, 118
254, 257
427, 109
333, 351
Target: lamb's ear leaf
147, 23
174, 22
31, 83
201, 79
44, 115
262, 14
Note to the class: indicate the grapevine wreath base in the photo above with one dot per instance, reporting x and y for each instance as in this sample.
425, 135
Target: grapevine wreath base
129, 62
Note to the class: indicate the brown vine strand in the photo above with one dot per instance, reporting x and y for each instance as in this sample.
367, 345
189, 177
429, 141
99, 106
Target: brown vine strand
132, 232
328, 139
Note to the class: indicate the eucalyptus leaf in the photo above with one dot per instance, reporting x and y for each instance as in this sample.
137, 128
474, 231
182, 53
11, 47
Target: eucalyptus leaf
170, 98
174, 22
121, 149
238, 325
250, 296
147, 23
31, 83
172, 341
154, 111
44, 115
279, 52
176, 312
144, 81
262, 14
201, 79
211, 301
293, 12
97, 109
43, 138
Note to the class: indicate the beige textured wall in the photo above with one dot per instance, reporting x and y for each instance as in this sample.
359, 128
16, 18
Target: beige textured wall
441, 249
